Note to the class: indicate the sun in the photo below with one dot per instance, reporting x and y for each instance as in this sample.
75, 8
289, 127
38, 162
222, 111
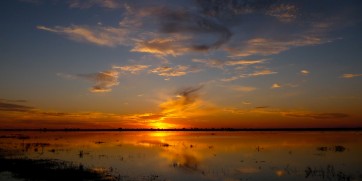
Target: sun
162, 125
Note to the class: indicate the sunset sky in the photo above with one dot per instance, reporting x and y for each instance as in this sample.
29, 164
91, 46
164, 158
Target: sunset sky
180, 64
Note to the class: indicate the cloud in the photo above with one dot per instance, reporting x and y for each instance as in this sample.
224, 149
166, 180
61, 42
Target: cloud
270, 46
180, 31
83, 4
221, 64
162, 46
104, 81
185, 100
10, 105
13, 101
245, 62
188, 22
102, 36
297, 24
211, 62
283, 12
243, 88
349, 76
145, 116
256, 73
259, 73
231, 8
167, 71
168, 29
305, 72
275, 86
318, 115
230, 79
133, 69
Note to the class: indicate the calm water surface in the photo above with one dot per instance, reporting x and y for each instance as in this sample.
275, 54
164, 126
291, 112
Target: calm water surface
196, 155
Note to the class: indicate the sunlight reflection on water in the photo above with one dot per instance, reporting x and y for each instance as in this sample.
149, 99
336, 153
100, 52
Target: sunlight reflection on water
198, 155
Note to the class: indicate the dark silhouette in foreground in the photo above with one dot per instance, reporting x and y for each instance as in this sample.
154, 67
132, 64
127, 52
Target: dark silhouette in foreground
49, 170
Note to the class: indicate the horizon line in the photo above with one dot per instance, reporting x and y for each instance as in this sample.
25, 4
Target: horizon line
182, 129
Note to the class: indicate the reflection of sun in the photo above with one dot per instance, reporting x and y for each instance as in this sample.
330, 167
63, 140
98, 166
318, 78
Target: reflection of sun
159, 134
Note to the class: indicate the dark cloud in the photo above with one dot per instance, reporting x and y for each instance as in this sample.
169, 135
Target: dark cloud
83, 4
233, 7
319, 115
6, 105
104, 81
195, 25
13, 101
189, 94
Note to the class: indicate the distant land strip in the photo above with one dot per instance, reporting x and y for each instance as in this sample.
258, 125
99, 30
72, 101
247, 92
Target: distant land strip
187, 129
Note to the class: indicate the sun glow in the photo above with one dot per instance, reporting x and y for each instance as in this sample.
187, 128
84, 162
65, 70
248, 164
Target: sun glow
162, 125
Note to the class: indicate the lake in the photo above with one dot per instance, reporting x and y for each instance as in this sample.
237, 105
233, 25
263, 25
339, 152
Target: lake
178, 155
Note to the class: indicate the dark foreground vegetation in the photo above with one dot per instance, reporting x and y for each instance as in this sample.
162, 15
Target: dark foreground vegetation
45, 169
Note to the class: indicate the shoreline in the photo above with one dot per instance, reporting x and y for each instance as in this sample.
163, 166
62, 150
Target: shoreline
185, 129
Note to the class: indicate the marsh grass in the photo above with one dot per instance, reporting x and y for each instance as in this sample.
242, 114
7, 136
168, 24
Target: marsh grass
46, 169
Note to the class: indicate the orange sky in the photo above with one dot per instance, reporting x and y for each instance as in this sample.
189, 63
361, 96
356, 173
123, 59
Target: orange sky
176, 64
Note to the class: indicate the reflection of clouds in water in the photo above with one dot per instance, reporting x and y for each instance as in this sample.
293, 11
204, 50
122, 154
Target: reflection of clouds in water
186, 162
154, 143
248, 170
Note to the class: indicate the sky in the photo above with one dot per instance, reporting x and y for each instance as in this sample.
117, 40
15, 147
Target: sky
180, 64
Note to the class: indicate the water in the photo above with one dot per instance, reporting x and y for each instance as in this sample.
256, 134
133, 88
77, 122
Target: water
180, 155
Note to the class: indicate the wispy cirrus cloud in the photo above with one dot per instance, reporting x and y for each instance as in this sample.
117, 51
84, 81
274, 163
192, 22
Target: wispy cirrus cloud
13, 101
243, 88
283, 12
99, 35
103, 81
259, 73
176, 71
270, 46
133, 69
162, 46
214, 63
14, 106
221, 64
255, 73
229, 79
349, 76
